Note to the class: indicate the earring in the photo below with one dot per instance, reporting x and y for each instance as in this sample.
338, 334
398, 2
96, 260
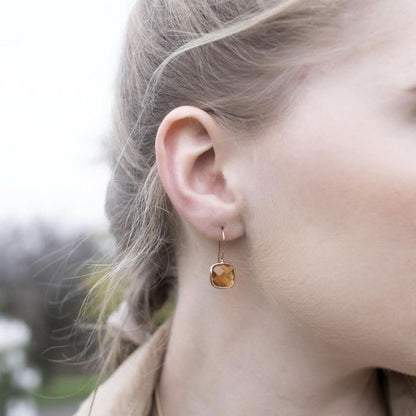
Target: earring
222, 274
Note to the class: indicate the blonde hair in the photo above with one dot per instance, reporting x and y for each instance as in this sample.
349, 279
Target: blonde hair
243, 62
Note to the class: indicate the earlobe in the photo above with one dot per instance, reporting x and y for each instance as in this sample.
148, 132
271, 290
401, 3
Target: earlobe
188, 148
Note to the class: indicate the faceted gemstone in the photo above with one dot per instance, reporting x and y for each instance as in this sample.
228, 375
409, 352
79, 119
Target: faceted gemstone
222, 275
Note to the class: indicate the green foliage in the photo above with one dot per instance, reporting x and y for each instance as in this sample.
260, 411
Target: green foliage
102, 294
68, 388
7, 390
166, 310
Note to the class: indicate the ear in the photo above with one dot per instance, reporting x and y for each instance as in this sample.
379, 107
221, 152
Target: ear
191, 155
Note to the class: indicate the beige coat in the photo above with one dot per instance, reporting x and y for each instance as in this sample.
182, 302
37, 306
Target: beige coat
129, 390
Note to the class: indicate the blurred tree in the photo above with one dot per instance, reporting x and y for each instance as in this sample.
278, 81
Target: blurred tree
41, 270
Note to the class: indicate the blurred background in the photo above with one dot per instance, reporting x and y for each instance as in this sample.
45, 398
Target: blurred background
58, 65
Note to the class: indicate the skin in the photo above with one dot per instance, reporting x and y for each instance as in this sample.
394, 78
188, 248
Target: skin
319, 213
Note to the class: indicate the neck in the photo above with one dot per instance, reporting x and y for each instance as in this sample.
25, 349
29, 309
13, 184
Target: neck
234, 353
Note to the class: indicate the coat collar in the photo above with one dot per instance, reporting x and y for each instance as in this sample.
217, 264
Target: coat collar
129, 390
401, 393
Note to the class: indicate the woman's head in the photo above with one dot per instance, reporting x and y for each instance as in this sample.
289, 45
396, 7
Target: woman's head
284, 122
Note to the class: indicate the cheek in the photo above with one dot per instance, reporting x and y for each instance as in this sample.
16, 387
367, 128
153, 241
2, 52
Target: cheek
339, 245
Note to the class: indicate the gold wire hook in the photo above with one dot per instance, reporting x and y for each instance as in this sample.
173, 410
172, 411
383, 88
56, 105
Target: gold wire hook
221, 243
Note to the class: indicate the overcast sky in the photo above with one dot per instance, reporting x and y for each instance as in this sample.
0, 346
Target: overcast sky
58, 62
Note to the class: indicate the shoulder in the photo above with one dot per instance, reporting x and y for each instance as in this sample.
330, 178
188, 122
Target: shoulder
129, 390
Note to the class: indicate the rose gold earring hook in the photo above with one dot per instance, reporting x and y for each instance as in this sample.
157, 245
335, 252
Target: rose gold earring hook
221, 243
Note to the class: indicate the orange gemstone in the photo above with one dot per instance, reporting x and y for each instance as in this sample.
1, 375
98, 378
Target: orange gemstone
222, 275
